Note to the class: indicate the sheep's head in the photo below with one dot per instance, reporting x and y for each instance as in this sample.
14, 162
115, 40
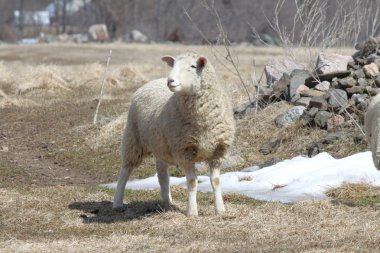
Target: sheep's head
186, 75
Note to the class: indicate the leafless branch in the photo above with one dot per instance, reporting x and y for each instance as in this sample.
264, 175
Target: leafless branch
102, 88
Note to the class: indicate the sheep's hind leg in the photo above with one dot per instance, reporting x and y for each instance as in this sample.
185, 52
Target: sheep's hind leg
215, 183
124, 174
163, 179
192, 184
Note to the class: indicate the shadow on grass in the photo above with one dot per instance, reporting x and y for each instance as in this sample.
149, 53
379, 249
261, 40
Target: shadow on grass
102, 212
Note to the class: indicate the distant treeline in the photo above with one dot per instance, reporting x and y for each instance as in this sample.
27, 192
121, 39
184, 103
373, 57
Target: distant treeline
163, 20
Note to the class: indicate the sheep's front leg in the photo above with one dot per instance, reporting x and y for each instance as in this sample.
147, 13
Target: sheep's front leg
215, 183
192, 183
163, 179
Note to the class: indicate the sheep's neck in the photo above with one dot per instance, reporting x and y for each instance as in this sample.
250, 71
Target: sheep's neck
199, 105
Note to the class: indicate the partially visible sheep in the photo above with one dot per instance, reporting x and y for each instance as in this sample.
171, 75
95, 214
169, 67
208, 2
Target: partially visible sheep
183, 119
372, 131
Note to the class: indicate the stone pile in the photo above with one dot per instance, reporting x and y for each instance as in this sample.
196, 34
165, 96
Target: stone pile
338, 84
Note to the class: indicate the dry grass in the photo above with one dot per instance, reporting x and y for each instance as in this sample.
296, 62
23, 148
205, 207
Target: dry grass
358, 194
48, 194
53, 219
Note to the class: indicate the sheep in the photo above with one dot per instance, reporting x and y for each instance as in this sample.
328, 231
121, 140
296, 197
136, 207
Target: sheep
372, 124
183, 119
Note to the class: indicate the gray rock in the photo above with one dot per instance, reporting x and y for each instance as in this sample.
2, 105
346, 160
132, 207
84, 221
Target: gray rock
295, 98
331, 138
277, 67
372, 91
347, 82
359, 74
335, 83
355, 90
321, 118
319, 103
377, 81
352, 65
312, 81
371, 70
323, 86
312, 93
337, 98
98, 32
357, 98
298, 77
265, 93
304, 101
289, 117
362, 106
312, 111
377, 62
136, 36
306, 119
362, 82
280, 87
329, 62
369, 47
372, 58
314, 149
245, 109
356, 54
269, 147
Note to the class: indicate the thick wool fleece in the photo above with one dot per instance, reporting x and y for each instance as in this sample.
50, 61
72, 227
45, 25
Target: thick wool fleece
179, 129
372, 124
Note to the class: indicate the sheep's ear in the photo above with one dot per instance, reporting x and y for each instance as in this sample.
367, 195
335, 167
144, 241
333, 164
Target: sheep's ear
169, 60
201, 62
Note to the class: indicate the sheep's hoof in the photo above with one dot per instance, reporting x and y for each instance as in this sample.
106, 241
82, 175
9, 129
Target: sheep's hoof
220, 211
192, 214
118, 208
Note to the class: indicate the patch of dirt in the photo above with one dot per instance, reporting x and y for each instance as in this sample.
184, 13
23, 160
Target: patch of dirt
36, 136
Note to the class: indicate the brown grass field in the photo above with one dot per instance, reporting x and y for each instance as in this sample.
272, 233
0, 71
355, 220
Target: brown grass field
52, 159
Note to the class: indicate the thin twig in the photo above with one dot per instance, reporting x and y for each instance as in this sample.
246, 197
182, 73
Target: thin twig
102, 88
225, 42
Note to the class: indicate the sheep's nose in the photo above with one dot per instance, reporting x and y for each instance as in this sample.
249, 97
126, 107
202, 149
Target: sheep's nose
170, 81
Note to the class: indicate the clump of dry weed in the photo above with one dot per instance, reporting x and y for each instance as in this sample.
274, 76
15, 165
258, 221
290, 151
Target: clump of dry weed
42, 77
353, 191
108, 135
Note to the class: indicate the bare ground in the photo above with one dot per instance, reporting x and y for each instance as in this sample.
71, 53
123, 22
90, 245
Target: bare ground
52, 158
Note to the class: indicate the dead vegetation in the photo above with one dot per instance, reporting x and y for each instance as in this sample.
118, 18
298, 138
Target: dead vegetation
55, 157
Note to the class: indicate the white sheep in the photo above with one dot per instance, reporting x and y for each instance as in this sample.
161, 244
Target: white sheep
183, 119
372, 131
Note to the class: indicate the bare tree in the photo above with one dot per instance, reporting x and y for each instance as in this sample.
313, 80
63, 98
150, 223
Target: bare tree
63, 17
21, 16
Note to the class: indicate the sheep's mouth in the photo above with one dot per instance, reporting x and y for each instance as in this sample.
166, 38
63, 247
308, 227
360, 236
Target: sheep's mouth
173, 87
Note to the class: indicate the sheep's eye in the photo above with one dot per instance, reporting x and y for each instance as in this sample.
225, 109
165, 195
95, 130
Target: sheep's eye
193, 66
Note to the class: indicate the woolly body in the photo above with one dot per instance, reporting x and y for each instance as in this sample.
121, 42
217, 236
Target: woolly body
372, 131
189, 121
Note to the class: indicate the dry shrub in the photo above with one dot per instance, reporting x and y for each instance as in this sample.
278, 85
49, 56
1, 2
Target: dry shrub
108, 135
353, 191
258, 129
42, 78
9, 101
6, 79
91, 75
